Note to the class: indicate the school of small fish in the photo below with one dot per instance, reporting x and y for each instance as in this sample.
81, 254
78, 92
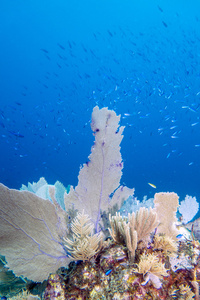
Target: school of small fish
152, 79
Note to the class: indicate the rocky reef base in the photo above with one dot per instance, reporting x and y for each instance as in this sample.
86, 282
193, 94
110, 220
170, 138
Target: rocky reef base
154, 274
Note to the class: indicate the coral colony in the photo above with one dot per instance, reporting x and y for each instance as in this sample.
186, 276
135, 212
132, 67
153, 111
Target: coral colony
79, 242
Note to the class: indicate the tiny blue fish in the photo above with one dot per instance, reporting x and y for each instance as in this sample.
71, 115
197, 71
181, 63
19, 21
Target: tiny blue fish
17, 134
108, 272
180, 237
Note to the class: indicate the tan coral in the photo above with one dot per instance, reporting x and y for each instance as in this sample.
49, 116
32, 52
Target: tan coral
166, 205
32, 246
151, 263
117, 228
123, 233
152, 269
131, 240
144, 222
186, 292
165, 243
136, 229
84, 243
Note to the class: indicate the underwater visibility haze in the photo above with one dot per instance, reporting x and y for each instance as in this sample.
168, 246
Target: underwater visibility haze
130, 71
140, 58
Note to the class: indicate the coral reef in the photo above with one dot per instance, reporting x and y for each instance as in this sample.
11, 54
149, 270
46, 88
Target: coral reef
33, 227
159, 267
148, 255
109, 275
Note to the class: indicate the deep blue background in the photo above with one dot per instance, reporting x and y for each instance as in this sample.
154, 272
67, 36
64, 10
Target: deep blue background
58, 59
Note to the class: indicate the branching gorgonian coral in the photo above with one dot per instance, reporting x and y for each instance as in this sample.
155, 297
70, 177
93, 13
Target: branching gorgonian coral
137, 228
84, 244
152, 269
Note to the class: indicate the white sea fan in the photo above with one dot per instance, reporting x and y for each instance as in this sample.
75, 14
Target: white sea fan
188, 208
154, 279
99, 179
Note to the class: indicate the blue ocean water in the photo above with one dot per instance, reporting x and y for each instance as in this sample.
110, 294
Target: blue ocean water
58, 59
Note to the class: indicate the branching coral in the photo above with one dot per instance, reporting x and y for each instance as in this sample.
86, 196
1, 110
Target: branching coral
117, 228
123, 233
144, 222
84, 243
151, 263
165, 243
137, 228
152, 269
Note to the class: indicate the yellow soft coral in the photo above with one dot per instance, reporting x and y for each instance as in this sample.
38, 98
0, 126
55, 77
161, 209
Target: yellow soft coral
84, 244
165, 243
152, 269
